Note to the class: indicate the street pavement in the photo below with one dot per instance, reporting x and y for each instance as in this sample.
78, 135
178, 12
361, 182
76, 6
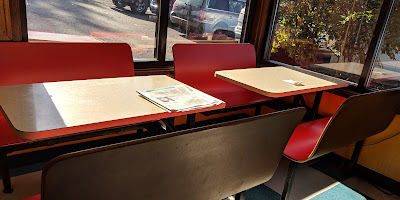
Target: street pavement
101, 20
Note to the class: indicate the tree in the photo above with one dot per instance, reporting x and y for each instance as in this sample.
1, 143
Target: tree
391, 42
345, 27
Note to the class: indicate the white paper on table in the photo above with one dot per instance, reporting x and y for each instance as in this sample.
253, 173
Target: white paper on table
179, 98
296, 83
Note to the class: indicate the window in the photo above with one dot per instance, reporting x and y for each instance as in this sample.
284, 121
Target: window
94, 21
199, 21
135, 22
386, 72
328, 36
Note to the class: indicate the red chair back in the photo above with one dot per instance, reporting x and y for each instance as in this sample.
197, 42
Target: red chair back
195, 64
359, 117
25, 63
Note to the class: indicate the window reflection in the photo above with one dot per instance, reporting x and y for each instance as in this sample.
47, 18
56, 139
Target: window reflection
335, 32
386, 73
125, 21
199, 21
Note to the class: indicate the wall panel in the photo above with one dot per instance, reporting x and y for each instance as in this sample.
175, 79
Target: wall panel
13, 20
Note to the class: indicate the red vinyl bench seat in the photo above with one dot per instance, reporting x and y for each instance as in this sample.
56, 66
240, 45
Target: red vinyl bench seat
305, 139
36, 197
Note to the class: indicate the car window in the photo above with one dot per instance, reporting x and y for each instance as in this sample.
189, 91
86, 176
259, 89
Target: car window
219, 4
236, 6
196, 3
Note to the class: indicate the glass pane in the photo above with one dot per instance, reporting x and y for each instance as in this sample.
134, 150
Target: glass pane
199, 21
386, 73
327, 36
126, 21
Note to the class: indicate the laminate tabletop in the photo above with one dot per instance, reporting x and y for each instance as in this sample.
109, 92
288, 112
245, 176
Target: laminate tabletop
280, 81
76, 106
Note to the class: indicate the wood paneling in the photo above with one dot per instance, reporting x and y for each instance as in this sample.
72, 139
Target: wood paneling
5, 24
13, 20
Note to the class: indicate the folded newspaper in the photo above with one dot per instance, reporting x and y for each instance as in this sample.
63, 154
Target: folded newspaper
179, 98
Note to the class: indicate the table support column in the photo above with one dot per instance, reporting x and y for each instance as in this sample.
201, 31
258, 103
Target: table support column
317, 101
5, 172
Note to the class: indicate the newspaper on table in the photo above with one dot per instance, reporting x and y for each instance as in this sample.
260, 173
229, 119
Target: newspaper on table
179, 98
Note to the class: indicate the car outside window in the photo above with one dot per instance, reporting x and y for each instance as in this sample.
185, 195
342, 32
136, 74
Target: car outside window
196, 3
236, 6
219, 4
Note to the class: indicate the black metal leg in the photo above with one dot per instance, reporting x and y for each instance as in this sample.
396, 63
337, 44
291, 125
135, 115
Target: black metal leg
191, 120
296, 101
154, 128
356, 153
258, 110
289, 180
302, 101
170, 123
5, 173
317, 100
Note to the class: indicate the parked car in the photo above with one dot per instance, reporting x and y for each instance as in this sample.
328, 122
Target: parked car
154, 6
207, 17
137, 6
238, 28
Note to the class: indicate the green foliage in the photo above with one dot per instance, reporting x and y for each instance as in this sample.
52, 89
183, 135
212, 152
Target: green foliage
345, 27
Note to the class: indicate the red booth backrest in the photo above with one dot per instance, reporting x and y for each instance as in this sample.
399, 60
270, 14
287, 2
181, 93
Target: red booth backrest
195, 64
25, 63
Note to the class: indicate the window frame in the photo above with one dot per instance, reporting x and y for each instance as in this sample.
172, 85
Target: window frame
159, 63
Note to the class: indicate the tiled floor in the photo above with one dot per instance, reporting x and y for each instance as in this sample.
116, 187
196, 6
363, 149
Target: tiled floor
24, 186
309, 184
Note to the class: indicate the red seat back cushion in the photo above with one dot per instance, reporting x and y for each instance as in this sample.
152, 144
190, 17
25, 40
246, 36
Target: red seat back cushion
25, 63
195, 64
304, 139
36, 197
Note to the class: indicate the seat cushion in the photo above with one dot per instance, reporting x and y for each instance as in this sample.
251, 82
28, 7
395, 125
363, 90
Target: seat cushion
304, 139
7, 135
36, 197
50, 62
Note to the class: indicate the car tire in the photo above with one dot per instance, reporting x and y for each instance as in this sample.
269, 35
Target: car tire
219, 35
119, 4
139, 7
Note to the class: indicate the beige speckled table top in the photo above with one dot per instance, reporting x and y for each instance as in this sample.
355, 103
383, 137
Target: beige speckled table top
83, 105
278, 81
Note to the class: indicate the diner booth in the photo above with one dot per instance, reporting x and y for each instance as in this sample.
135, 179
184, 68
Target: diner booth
222, 100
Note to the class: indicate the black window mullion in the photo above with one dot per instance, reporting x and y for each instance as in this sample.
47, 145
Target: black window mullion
248, 21
375, 44
270, 30
161, 31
